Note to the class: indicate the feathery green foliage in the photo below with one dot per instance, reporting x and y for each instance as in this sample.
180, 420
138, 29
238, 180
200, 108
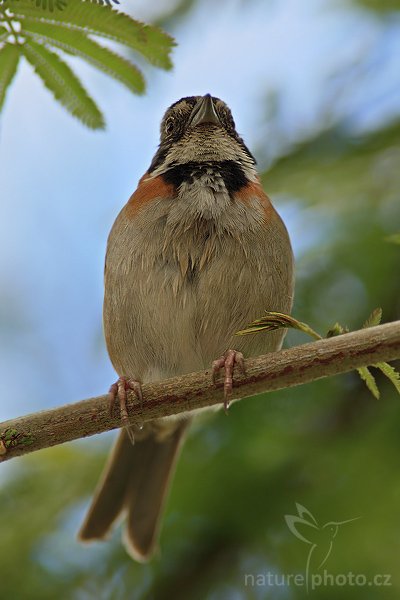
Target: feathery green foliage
9, 57
276, 320
61, 81
78, 44
390, 373
4, 33
33, 28
374, 318
103, 21
61, 4
369, 380
50, 4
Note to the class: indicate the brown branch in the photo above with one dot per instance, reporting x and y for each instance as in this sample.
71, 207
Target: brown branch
274, 371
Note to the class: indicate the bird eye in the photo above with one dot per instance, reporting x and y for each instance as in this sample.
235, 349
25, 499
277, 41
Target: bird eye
169, 125
228, 120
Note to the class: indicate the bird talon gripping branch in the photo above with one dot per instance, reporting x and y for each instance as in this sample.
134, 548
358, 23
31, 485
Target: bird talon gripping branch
227, 362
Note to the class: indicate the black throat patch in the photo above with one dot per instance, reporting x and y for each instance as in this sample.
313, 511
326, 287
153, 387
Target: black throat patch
229, 171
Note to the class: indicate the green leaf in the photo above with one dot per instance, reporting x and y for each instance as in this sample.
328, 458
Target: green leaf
103, 21
390, 373
276, 320
9, 57
337, 329
78, 44
369, 379
64, 84
50, 4
108, 2
374, 318
61, 4
4, 33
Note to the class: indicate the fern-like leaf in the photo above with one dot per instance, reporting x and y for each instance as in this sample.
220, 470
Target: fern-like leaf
44, 4
390, 373
50, 4
9, 57
103, 21
108, 2
276, 320
374, 318
4, 33
78, 44
61, 4
369, 379
336, 329
64, 84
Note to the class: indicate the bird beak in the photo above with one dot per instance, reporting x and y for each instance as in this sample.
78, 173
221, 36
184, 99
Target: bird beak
204, 112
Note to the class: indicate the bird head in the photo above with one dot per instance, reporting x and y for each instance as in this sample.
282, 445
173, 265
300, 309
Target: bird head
196, 131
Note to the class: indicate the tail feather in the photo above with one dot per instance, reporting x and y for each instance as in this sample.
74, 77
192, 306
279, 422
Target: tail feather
109, 496
146, 496
135, 480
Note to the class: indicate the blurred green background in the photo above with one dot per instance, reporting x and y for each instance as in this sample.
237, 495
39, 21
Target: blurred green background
321, 111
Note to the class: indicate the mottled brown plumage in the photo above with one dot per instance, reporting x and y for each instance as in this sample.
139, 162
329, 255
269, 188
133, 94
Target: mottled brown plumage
197, 253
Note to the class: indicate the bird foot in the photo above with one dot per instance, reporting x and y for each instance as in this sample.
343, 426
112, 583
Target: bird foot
227, 362
119, 390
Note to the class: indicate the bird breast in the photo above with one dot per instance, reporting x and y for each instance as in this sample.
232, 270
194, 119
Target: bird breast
186, 274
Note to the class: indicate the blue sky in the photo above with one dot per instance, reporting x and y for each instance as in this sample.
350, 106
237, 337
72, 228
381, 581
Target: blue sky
61, 185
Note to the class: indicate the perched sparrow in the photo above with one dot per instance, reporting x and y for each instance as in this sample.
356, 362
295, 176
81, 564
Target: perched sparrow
197, 253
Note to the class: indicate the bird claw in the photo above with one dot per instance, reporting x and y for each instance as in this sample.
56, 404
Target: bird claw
227, 362
118, 390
